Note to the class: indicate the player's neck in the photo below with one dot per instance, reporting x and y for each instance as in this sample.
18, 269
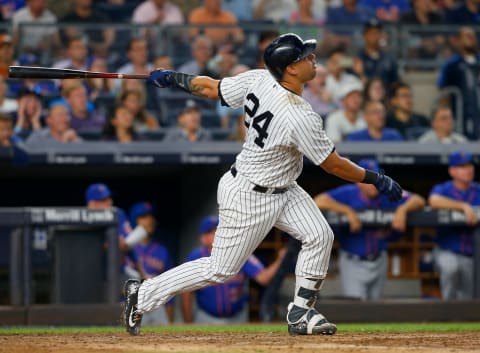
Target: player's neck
294, 87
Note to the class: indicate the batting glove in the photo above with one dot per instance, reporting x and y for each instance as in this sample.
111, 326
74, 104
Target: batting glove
388, 187
161, 78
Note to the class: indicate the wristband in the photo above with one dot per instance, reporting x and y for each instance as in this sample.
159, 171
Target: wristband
182, 81
371, 177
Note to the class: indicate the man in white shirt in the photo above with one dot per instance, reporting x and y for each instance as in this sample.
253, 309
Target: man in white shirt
349, 119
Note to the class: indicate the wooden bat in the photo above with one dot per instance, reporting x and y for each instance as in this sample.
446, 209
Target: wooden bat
52, 73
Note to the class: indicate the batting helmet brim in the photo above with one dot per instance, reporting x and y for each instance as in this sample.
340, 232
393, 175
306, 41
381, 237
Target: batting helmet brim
308, 48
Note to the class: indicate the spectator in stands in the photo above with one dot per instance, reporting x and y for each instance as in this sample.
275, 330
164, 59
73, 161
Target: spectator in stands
158, 12
363, 259
304, 15
6, 54
374, 116
137, 53
453, 256
211, 13
465, 13
273, 10
241, 9
35, 39
377, 62
189, 126
153, 257
442, 130
202, 53
349, 13
337, 65
388, 11
119, 126
375, 91
401, 116
99, 39
460, 72
163, 61
7, 105
224, 303
77, 57
239, 132
222, 64
342, 122
425, 13
29, 113
99, 86
83, 116
99, 196
7, 137
134, 100
8, 8
264, 39
317, 95
58, 128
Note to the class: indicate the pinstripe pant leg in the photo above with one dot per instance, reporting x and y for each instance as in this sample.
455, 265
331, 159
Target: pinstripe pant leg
302, 219
245, 218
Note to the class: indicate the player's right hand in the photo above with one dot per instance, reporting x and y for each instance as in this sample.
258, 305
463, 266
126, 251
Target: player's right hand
161, 78
388, 187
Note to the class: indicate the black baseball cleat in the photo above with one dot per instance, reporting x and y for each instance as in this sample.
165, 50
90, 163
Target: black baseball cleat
132, 319
310, 323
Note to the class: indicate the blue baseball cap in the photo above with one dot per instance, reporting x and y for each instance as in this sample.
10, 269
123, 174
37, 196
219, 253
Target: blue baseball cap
140, 209
371, 164
97, 192
208, 224
459, 158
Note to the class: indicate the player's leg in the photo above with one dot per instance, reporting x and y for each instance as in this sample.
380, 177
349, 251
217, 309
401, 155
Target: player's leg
466, 277
352, 276
302, 219
379, 274
446, 263
245, 218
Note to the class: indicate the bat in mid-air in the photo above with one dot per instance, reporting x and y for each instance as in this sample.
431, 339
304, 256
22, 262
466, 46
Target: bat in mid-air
54, 73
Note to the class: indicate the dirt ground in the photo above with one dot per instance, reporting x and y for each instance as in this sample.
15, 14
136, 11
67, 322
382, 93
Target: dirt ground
241, 343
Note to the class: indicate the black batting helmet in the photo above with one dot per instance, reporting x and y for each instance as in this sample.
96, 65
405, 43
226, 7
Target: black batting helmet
285, 50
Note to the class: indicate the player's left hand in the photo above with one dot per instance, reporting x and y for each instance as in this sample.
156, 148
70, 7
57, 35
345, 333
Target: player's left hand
389, 187
161, 78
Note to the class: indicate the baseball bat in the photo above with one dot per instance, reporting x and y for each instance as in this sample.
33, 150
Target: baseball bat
53, 73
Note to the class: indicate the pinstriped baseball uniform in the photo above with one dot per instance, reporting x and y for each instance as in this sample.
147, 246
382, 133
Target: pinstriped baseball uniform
260, 191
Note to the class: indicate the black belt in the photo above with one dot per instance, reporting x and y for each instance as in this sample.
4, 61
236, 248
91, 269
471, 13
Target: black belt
258, 188
369, 257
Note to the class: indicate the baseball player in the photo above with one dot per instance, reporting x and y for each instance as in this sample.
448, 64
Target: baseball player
259, 191
453, 256
154, 258
224, 303
363, 255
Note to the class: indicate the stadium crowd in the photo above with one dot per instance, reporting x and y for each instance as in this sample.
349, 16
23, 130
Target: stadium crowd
358, 63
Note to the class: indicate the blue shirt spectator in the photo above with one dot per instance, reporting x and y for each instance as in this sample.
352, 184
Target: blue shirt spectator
461, 72
465, 13
387, 10
364, 135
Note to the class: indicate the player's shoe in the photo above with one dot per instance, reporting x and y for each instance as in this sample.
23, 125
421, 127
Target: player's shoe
310, 323
132, 319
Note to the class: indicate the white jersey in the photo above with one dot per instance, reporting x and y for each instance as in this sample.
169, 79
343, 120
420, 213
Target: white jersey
282, 128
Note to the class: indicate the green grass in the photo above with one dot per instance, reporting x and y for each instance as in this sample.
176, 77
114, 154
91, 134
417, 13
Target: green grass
256, 328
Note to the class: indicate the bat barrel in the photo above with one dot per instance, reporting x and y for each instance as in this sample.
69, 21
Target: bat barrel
54, 73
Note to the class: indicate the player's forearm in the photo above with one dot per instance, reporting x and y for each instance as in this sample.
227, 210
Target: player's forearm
343, 168
265, 276
187, 307
204, 86
325, 202
415, 202
438, 201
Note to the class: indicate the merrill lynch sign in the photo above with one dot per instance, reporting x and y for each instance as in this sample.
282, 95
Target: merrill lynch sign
71, 215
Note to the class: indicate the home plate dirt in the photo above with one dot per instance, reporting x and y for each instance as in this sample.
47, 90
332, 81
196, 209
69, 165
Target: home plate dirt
241, 342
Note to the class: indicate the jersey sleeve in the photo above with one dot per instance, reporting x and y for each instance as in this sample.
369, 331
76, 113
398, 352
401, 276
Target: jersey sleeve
438, 189
342, 194
310, 137
232, 90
